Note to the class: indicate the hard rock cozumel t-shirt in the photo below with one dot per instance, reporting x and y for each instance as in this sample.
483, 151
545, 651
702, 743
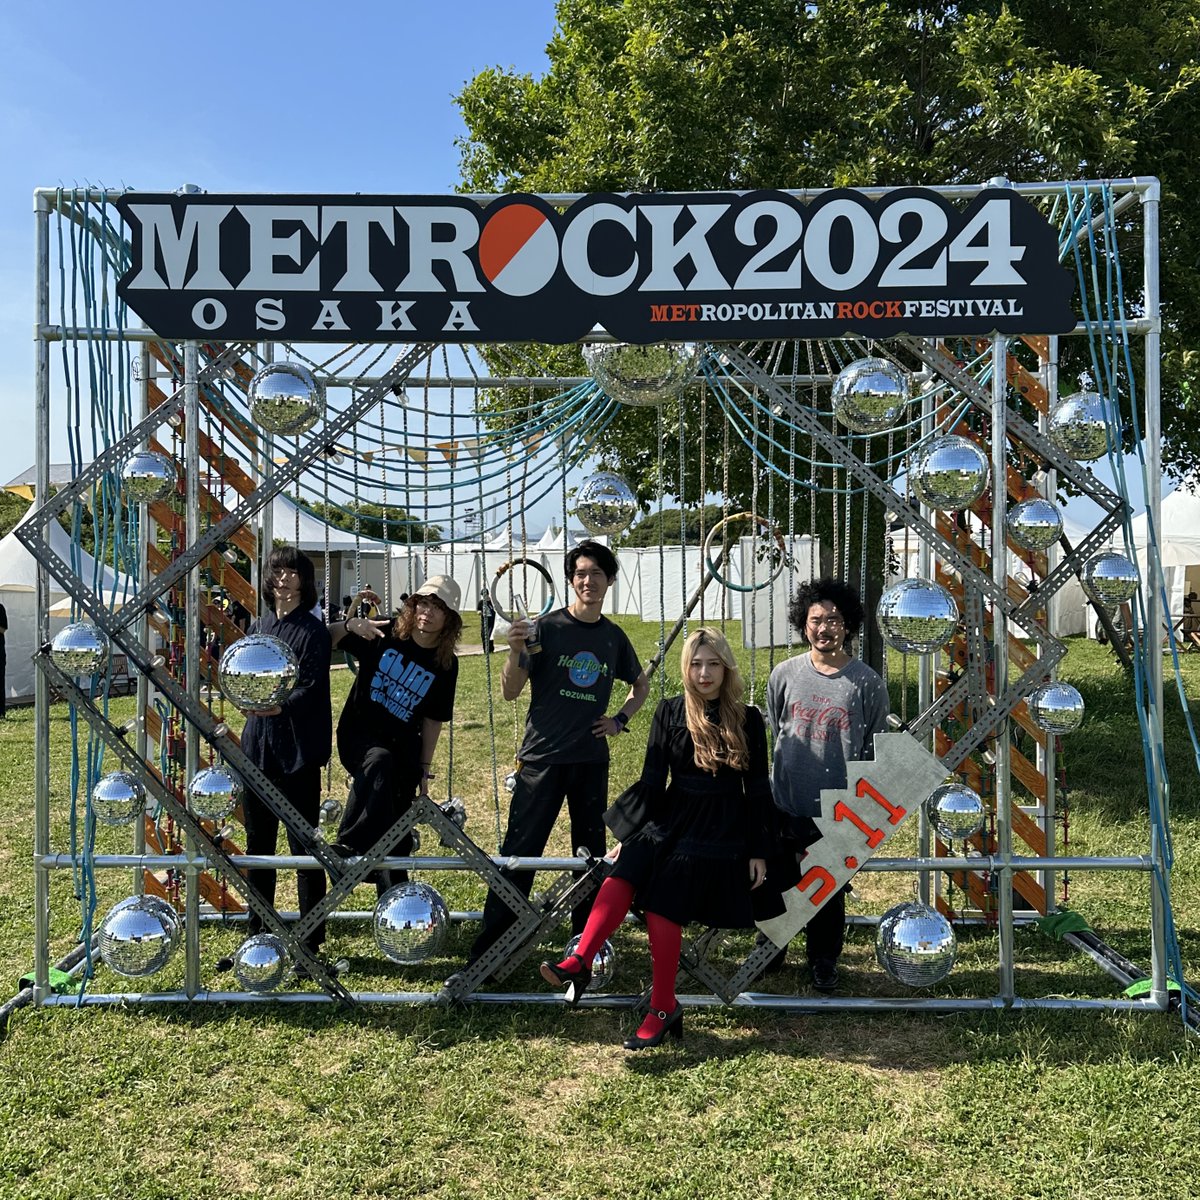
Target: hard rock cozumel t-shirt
570, 684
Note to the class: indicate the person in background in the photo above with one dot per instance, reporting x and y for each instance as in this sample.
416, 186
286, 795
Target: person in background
3, 663
564, 754
692, 849
292, 742
402, 695
824, 708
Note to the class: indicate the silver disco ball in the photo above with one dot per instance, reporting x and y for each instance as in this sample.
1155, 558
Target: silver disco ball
331, 811
949, 472
139, 935
261, 962
118, 798
642, 376
168, 914
257, 672
286, 399
411, 922
605, 504
917, 616
1110, 579
510, 781
79, 649
955, 811
870, 394
213, 793
1034, 524
604, 964
1056, 707
1079, 426
915, 944
148, 476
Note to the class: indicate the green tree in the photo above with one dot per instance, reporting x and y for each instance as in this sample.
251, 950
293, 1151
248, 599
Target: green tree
382, 522
716, 94
663, 528
12, 509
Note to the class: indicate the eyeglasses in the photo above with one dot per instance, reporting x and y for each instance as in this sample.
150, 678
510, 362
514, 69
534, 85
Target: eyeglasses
827, 622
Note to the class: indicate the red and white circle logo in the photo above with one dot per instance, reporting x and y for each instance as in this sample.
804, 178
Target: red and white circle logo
518, 250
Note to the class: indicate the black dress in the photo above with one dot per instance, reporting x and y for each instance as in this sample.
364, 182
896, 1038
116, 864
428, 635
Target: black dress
690, 859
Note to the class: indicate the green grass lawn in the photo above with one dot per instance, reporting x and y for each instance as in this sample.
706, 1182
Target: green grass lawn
308, 1100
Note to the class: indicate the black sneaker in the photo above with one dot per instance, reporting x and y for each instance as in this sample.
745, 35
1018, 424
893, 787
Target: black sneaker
824, 975
223, 964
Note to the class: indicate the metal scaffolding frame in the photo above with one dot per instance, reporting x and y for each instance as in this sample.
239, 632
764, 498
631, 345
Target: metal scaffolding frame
126, 632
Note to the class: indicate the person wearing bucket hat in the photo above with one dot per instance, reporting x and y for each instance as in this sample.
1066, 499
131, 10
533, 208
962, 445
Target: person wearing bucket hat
389, 728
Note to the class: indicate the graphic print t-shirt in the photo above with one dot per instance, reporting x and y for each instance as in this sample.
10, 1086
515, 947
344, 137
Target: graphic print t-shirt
399, 684
570, 684
820, 722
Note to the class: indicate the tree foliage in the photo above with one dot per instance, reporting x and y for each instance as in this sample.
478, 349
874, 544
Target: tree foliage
663, 528
385, 523
717, 94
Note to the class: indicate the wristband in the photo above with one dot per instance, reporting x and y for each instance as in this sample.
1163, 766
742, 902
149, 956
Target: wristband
621, 717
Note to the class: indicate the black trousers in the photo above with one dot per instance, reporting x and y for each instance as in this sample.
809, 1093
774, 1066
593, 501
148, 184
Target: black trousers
303, 790
383, 785
825, 933
3, 670
536, 802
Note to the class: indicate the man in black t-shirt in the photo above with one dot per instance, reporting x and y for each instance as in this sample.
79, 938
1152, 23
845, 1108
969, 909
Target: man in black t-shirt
564, 754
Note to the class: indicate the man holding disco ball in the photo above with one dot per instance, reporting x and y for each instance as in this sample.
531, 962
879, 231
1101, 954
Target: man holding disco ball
292, 741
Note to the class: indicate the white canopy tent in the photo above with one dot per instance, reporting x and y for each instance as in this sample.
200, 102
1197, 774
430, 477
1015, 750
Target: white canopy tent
18, 574
1178, 546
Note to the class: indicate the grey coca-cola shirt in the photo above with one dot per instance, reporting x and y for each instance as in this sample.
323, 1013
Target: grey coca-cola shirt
820, 722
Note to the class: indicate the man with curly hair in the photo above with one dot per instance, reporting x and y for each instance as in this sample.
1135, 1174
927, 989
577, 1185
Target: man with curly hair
824, 708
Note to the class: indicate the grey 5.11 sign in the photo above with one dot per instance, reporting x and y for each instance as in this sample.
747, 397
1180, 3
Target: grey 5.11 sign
648, 268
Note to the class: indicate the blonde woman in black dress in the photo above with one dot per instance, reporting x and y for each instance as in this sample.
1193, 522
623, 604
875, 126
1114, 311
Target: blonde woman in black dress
694, 831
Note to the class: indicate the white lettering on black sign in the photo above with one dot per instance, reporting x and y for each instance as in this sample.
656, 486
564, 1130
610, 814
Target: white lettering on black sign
647, 268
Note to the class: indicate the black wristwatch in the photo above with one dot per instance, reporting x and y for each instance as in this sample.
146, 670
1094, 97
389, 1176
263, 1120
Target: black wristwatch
621, 717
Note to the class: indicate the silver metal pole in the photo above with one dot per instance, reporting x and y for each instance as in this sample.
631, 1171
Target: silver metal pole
1046, 759
925, 569
1004, 890
193, 653
41, 692
1154, 612
142, 629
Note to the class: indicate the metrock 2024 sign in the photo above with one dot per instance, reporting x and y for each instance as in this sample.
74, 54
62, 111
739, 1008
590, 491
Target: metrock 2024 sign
648, 268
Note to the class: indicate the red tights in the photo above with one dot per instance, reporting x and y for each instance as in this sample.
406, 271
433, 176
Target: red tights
666, 940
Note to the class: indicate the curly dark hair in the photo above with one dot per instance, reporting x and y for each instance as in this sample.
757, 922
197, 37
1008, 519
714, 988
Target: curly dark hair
826, 591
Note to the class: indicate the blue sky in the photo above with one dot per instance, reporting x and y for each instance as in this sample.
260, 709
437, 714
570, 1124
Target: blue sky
254, 96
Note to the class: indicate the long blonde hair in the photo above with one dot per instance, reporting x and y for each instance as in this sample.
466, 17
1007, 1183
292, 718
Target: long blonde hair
722, 743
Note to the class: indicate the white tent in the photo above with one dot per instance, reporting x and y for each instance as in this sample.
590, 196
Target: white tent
18, 573
1178, 545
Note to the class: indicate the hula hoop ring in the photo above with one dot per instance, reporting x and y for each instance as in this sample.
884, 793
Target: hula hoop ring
762, 523
508, 566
